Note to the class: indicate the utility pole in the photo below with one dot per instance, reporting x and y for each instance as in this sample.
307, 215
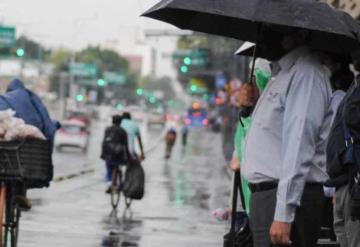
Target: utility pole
63, 77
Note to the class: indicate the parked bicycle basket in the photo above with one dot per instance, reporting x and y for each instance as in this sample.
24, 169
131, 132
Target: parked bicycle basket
28, 160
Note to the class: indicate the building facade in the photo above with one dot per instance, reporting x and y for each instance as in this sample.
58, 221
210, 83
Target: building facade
350, 6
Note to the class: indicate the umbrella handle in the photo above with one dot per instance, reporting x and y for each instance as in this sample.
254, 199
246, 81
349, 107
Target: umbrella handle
245, 111
254, 53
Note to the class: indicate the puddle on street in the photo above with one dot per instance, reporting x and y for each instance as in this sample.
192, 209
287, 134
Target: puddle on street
122, 231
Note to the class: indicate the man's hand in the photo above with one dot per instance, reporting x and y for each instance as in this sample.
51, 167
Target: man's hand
235, 164
248, 95
280, 233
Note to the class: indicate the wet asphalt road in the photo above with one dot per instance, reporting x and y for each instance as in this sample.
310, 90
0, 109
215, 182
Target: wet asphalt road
175, 211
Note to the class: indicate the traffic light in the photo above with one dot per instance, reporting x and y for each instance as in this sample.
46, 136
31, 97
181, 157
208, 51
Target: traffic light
139, 92
152, 99
20, 52
80, 98
101, 82
193, 88
119, 106
184, 69
187, 60
205, 97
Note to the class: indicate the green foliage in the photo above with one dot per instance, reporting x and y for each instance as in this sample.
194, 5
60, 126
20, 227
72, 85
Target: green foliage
60, 57
105, 59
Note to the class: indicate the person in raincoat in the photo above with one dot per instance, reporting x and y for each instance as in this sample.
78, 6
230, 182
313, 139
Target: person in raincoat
262, 75
29, 108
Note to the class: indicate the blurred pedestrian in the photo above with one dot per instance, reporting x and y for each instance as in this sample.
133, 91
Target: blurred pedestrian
284, 159
184, 134
262, 75
342, 165
340, 78
114, 149
133, 131
170, 139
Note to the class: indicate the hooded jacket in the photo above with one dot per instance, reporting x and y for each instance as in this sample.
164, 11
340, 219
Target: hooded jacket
28, 107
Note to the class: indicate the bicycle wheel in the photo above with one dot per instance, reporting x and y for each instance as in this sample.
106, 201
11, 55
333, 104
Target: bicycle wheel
128, 202
16, 213
11, 225
2, 213
115, 190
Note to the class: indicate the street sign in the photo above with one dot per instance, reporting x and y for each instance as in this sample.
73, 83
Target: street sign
83, 69
87, 82
191, 57
114, 78
7, 36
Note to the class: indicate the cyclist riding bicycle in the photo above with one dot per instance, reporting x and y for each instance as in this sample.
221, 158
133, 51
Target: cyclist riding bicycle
133, 131
114, 149
29, 108
170, 139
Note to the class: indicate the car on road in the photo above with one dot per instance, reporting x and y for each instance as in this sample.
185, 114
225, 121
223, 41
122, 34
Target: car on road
137, 113
80, 115
156, 118
197, 116
73, 133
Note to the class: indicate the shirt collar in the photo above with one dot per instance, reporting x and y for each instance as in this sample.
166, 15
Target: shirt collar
289, 59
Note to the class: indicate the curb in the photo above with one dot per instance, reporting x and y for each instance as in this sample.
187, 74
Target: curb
73, 175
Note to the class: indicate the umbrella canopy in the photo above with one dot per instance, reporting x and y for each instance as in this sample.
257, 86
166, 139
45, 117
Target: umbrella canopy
330, 29
246, 49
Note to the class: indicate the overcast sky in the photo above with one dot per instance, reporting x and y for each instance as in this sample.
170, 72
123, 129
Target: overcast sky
77, 23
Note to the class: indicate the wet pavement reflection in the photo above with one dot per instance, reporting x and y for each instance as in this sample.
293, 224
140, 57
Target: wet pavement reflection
180, 193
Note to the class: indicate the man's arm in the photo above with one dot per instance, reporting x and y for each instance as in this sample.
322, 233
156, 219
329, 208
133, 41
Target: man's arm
142, 157
306, 105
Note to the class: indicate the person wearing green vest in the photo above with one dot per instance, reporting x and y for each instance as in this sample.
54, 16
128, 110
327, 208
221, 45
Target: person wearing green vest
262, 76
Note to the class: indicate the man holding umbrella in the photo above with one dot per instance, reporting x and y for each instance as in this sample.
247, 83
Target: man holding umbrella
291, 122
285, 146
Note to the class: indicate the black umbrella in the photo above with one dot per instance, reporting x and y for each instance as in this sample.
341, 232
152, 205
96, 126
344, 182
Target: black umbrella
330, 29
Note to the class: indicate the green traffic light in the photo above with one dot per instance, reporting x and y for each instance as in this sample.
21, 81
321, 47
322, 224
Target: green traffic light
193, 88
187, 61
140, 91
152, 99
184, 69
20, 52
80, 97
119, 106
101, 82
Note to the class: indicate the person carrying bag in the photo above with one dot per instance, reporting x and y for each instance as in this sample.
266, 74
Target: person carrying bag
241, 237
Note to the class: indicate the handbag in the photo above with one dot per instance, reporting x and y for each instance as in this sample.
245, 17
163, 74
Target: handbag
134, 185
241, 237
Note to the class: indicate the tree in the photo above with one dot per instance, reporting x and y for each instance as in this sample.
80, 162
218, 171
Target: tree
60, 57
105, 59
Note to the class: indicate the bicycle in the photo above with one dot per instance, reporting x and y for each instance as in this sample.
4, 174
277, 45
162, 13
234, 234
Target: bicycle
11, 213
21, 162
116, 188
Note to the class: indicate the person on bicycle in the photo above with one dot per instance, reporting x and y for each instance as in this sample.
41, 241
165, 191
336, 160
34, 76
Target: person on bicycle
114, 148
30, 108
184, 134
170, 139
133, 131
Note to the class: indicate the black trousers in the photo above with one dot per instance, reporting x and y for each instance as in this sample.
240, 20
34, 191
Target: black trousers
305, 229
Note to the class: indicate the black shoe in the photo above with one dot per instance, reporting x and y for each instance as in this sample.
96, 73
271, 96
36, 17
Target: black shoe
109, 190
22, 202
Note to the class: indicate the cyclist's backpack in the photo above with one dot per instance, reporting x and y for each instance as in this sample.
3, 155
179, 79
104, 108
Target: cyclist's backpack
134, 185
114, 146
